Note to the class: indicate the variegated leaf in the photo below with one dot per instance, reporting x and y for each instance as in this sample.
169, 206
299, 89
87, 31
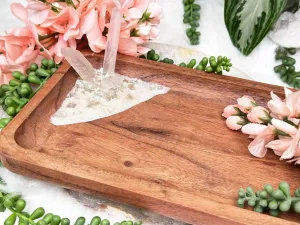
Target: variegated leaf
249, 21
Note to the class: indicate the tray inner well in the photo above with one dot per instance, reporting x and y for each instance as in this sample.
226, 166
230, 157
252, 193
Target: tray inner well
178, 140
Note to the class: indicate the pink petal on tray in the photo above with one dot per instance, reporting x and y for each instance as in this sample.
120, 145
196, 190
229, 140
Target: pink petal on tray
258, 146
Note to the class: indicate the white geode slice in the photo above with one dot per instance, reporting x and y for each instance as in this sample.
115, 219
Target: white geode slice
106, 96
287, 30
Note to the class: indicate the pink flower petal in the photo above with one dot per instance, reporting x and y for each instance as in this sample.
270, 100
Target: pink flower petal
293, 103
155, 9
143, 50
258, 146
19, 11
127, 4
86, 23
283, 126
246, 102
127, 47
287, 92
134, 13
280, 145
144, 30
234, 122
258, 114
278, 107
96, 41
38, 17
290, 152
253, 129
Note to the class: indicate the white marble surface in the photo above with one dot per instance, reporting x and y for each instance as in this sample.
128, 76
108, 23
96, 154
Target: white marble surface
214, 41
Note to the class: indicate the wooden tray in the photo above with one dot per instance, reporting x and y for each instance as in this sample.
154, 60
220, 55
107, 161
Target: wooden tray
172, 154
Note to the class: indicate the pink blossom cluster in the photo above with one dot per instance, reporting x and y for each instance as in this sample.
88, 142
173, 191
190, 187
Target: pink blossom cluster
276, 127
54, 24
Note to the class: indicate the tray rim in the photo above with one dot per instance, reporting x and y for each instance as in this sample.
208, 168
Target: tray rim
16, 158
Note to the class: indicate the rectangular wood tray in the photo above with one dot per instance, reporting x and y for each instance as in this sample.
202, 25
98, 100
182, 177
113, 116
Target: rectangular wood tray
172, 154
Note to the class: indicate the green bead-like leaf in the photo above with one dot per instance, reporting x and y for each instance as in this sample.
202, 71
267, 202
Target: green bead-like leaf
250, 192
278, 195
252, 202
274, 212
241, 201
285, 188
258, 209
273, 204
263, 203
297, 193
285, 206
297, 207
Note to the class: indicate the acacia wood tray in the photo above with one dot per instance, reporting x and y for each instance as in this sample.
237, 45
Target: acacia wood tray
172, 154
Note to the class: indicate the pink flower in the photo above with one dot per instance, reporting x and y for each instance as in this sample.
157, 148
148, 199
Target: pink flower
55, 50
95, 38
35, 12
287, 92
293, 103
144, 11
284, 126
127, 46
253, 129
5, 75
235, 122
290, 152
258, 146
94, 18
280, 145
66, 22
295, 160
139, 26
246, 102
18, 47
230, 110
278, 107
259, 114
297, 152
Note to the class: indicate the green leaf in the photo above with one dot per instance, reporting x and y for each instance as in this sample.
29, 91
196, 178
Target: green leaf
249, 21
292, 6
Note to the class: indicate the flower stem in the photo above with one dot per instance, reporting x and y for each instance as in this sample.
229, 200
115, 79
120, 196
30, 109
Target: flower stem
53, 7
41, 38
69, 2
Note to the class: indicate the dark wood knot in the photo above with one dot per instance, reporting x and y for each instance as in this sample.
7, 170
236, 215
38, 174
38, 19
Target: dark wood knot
128, 163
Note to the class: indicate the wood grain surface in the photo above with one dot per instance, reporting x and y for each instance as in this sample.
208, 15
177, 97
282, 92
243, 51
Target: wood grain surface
172, 154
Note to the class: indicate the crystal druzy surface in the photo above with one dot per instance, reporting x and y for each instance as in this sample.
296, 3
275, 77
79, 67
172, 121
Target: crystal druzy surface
105, 96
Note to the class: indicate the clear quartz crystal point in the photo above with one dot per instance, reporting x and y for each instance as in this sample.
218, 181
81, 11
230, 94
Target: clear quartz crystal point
80, 64
112, 42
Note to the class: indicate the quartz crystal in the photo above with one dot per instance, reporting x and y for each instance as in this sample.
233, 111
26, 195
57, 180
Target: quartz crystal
105, 96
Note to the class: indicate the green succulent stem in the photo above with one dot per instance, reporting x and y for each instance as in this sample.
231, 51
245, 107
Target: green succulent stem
15, 95
209, 65
16, 205
191, 17
22, 217
293, 199
286, 69
269, 199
